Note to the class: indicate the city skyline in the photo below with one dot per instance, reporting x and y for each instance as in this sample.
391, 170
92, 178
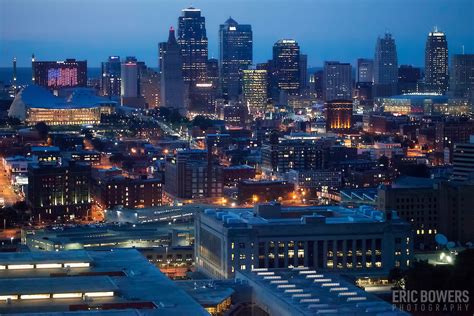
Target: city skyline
313, 28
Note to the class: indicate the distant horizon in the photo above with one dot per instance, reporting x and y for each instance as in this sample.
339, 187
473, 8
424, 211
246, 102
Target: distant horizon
338, 30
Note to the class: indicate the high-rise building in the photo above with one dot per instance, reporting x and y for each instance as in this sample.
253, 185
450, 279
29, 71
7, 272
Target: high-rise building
172, 84
337, 81
235, 55
149, 84
462, 76
111, 77
59, 190
192, 174
131, 93
463, 160
436, 62
192, 40
60, 74
255, 90
286, 67
303, 72
339, 115
213, 72
385, 66
129, 75
295, 152
318, 83
128, 192
408, 79
365, 70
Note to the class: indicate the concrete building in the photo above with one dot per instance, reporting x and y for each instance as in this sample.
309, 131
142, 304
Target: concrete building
59, 191
463, 160
116, 282
296, 152
313, 179
462, 76
193, 174
385, 66
302, 291
432, 207
365, 70
361, 241
128, 192
337, 81
172, 84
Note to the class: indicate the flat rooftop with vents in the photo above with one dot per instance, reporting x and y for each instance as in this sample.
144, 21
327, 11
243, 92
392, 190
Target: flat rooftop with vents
87, 283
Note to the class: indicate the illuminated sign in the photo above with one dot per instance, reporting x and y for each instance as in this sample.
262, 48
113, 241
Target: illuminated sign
62, 77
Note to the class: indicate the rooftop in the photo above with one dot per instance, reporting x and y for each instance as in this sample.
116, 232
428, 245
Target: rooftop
274, 214
120, 281
302, 291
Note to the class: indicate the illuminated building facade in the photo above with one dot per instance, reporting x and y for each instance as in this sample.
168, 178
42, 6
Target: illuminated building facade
436, 62
192, 39
110, 83
192, 174
235, 55
55, 75
331, 238
339, 115
59, 190
254, 88
130, 193
297, 153
286, 66
337, 81
35, 104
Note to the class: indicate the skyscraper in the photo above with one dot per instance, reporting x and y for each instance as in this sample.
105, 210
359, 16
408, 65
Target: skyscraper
337, 81
193, 42
254, 86
129, 75
303, 72
172, 84
286, 67
111, 77
235, 55
462, 76
385, 66
436, 62
365, 70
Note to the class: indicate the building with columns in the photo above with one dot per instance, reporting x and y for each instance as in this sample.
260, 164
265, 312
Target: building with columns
362, 241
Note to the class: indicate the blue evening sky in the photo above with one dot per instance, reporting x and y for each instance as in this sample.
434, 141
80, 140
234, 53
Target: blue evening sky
325, 29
